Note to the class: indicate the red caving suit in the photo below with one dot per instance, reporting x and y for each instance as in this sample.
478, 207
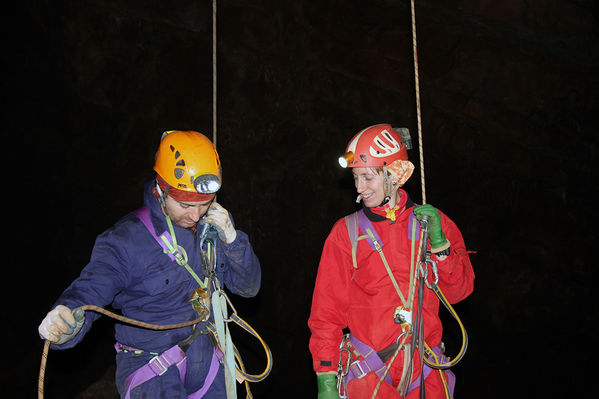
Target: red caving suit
364, 299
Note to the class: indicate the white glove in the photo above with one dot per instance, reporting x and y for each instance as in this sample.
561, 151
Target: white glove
61, 324
219, 218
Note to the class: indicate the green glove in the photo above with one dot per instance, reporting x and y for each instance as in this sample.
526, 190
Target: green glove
438, 240
327, 386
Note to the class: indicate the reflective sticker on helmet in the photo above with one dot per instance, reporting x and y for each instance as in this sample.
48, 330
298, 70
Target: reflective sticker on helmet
386, 144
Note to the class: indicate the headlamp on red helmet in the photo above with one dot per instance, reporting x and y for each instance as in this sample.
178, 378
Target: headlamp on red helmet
346, 159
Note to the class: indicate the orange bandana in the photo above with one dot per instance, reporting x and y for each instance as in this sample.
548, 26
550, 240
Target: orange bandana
401, 169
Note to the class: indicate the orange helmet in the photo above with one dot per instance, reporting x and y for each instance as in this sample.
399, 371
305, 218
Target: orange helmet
188, 162
377, 145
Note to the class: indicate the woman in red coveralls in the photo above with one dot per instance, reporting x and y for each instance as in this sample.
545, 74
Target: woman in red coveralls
361, 296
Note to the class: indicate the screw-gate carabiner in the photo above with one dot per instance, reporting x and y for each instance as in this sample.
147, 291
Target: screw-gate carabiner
424, 272
343, 371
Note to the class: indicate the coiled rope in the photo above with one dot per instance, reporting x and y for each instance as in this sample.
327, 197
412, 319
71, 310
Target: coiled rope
114, 316
240, 370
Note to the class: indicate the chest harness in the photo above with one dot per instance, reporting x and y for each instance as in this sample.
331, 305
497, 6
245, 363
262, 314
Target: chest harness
208, 299
360, 358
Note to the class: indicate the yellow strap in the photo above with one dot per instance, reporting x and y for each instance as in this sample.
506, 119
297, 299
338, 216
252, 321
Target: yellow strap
240, 369
462, 352
442, 375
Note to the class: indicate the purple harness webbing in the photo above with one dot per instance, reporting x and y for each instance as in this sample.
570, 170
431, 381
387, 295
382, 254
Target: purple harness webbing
158, 365
144, 215
371, 362
417, 232
360, 219
426, 370
364, 223
216, 356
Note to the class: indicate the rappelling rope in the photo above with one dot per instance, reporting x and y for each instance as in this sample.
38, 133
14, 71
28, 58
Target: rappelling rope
435, 363
417, 89
214, 72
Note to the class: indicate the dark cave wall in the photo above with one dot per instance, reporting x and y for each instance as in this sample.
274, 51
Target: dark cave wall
509, 108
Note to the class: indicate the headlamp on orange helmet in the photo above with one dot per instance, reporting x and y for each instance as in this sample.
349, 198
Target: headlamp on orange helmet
188, 165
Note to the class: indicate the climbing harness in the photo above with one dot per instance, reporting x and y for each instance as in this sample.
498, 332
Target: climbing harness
407, 315
225, 351
218, 301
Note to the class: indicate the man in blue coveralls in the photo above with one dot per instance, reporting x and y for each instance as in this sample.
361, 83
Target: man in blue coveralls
130, 271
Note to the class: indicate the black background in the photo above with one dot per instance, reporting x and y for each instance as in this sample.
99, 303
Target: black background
509, 94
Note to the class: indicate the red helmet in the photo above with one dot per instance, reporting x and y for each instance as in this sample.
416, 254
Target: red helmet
377, 145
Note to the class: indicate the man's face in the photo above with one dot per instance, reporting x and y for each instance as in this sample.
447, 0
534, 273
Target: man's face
186, 214
369, 183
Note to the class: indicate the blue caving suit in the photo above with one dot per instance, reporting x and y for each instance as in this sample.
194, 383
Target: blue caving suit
129, 271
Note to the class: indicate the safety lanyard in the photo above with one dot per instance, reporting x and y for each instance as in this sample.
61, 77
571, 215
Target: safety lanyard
180, 254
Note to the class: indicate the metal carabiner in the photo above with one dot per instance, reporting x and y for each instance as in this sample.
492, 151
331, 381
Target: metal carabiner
343, 371
234, 311
403, 332
425, 271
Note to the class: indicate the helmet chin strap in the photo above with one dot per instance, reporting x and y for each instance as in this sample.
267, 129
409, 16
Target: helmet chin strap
389, 185
162, 196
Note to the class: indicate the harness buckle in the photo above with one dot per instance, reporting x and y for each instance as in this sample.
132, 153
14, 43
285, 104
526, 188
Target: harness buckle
157, 366
357, 366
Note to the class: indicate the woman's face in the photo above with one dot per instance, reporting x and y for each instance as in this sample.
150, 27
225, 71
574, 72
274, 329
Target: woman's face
370, 185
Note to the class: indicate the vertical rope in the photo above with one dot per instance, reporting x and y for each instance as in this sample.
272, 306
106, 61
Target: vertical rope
214, 72
417, 87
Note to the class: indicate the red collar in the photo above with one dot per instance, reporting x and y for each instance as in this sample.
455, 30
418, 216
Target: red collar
391, 213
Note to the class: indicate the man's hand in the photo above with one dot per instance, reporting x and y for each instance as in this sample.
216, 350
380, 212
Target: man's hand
61, 324
218, 217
